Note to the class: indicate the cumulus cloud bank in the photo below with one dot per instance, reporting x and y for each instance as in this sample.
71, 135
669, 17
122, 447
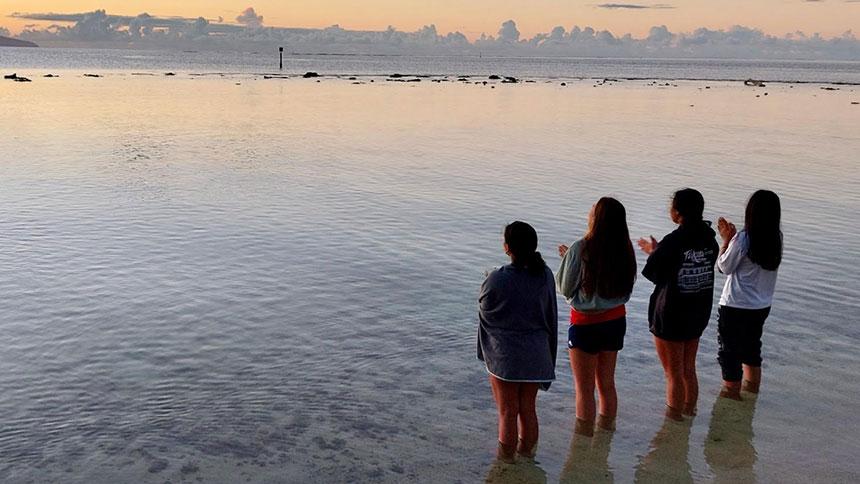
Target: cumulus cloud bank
250, 18
633, 6
144, 30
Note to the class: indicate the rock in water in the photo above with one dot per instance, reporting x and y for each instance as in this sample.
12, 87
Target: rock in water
9, 42
753, 83
309, 75
16, 78
494, 77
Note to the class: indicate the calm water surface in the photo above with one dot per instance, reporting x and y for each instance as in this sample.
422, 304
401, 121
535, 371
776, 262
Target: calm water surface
237, 279
209, 62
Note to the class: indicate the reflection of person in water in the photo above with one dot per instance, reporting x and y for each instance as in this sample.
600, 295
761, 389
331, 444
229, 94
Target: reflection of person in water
729, 449
523, 471
588, 459
667, 459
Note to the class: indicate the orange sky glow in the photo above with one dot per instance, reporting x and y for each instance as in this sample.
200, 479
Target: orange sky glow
473, 17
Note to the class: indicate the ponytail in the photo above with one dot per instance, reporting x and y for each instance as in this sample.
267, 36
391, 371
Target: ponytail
690, 205
521, 239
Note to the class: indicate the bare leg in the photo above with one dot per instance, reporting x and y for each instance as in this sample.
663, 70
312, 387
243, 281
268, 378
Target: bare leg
506, 395
528, 420
671, 355
691, 379
583, 366
752, 378
608, 397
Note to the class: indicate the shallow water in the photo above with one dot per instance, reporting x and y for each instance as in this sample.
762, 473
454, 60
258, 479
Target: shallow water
160, 61
276, 280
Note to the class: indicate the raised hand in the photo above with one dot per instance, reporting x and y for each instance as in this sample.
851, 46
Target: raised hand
648, 245
727, 229
562, 250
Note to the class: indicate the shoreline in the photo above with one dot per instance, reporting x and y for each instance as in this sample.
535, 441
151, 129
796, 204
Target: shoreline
412, 77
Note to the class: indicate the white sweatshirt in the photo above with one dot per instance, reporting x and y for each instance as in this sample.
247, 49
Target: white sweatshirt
748, 285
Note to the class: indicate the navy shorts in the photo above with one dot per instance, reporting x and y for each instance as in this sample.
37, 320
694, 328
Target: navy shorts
594, 338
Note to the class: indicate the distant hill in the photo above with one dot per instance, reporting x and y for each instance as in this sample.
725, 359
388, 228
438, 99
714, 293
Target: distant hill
7, 42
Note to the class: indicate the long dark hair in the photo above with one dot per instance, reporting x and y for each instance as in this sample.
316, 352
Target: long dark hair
690, 204
608, 260
522, 243
762, 224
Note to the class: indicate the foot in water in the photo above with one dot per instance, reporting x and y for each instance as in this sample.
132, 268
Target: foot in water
750, 386
584, 427
506, 453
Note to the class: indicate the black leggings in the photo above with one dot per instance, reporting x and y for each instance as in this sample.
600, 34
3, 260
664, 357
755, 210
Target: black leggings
739, 335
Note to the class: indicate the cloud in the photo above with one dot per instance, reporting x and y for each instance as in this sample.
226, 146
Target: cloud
636, 6
101, 29
250, 18
509, 32
4, 32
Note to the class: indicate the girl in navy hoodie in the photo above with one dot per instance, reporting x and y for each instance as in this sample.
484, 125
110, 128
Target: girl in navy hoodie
682, 268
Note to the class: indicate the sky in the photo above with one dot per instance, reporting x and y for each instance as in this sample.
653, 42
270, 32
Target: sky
830, 18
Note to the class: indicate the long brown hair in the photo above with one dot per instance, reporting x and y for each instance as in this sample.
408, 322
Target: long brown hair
608, 260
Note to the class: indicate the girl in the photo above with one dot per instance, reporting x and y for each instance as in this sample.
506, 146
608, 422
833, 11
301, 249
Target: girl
596, 278
518, 338
750, 258
682, 268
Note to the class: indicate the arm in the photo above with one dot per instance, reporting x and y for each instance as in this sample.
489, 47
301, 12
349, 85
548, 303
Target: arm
484, 304
552, 322
655, 267
731, 254
485, 296
727, 233
568, 276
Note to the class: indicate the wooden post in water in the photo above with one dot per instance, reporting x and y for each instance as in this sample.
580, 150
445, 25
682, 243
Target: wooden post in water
281, 52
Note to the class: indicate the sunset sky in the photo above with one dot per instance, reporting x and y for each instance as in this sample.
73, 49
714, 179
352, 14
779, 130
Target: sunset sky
472, 17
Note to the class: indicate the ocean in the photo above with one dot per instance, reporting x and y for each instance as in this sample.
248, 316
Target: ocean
215, 276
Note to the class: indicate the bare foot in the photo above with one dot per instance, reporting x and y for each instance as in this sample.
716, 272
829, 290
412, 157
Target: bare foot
730, 393
506, 453
674, 414
584, 427
606, 423
689, 409
526, 451
751, 387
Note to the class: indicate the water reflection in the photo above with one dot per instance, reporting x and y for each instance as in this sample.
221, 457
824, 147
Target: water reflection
666, 460
588, 459
523, 471
729, 449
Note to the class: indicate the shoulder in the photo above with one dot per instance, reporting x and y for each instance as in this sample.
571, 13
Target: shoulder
549, 275
672, 239
575, 250
499, 275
